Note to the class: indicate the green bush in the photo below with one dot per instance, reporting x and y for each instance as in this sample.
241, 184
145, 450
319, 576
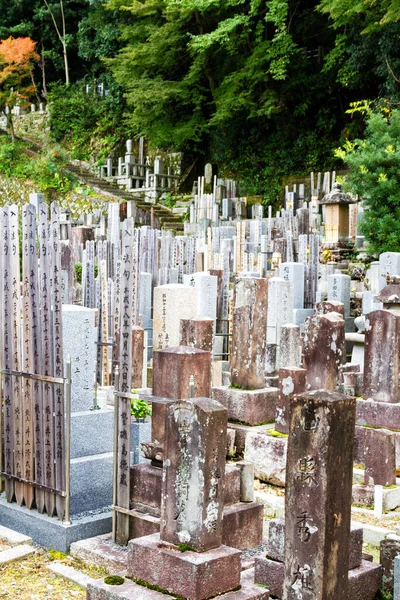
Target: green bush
140, 409
374, 164
89, 125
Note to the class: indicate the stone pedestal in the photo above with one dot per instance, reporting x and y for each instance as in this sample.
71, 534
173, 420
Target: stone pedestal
189, 574
253, 407
173, 367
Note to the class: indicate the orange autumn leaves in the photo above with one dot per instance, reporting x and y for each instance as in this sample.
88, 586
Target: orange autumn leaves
17, 59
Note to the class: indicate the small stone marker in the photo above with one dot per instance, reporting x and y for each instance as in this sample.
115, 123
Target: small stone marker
194, 467
318, 496
173, 367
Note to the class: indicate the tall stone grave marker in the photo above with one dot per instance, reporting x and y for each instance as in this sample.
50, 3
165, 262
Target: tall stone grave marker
318, 496
324, 350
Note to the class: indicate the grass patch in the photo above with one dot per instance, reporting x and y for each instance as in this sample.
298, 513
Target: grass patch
114, 580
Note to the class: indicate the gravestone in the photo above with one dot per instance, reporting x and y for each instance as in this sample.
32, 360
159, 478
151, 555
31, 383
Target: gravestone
339, 291
324, 350
206, 288
197, 333
318, 496
248, 333
381, 356
172, 302
294, 272
280, 307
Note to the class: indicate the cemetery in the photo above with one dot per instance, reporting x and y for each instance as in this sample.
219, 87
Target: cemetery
213, 412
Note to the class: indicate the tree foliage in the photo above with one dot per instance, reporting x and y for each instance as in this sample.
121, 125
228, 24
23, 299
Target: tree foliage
374, 163
17, 59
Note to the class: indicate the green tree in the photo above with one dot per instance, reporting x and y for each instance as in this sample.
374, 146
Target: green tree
374, 164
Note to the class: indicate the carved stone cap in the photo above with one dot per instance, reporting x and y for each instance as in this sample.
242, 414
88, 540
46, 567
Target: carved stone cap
337, 196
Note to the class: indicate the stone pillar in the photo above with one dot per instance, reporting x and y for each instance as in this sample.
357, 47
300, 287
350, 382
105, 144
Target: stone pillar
290, 346
194, 466
292, 381
380, 457
206, 288
382, 356
294, 272
173, 367
339, 291
318, 496
172, 302
197, 333
324, 350
137, 356
249, 333
280, 307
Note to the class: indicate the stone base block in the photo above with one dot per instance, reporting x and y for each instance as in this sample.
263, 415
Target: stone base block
132, 591
364, 495
92, 432
241, 432
231, 486
253, 407
270, 573
91, 482
365, 581
359, 444
193, 575
268, 454
49, 531
242, 525
378, 414
101, 552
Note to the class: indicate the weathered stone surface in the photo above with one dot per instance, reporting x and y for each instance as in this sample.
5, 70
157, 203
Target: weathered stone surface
270, 573
248, 406
243, 525
145, 485
197, 333
389, 549
318, 495
324, 350
193, 575
364, 581
380, 457
268, 454
339, 290
158, 416
382, 356
378, 414
292, 381
137, 356
172, 369
276, 542
276, 539
330, 306
241, 432
290, 346
231, 486
249, 333
194, 465
101, 552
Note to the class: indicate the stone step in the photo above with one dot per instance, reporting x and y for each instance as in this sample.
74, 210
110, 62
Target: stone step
16, 553
13, 538
70, 574
132, 591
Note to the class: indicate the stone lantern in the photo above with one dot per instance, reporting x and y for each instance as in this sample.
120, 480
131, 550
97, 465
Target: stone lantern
337, 215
